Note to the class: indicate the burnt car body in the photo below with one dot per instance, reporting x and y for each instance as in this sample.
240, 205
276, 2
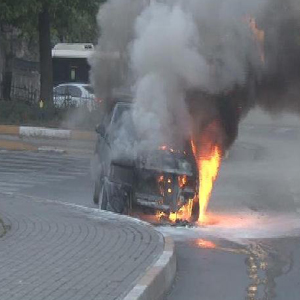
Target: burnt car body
160, 180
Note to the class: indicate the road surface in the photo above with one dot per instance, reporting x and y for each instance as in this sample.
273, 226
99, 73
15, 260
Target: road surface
250, 250
51, 176
52, 246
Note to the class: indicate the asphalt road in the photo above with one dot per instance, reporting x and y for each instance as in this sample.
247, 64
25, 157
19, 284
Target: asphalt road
51, 250
49, 176
250, 250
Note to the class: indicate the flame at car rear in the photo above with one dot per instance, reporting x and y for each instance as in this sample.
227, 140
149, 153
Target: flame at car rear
208, 160
209, 168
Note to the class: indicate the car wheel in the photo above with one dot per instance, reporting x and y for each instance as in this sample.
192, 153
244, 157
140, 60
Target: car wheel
118, 201
97, 190
104, 195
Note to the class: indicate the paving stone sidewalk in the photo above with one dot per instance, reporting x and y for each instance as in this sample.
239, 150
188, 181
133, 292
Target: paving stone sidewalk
57, 252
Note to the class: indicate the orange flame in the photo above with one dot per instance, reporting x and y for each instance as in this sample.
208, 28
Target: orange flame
208, 166
208, 160
184, 213
182, 180
259, 36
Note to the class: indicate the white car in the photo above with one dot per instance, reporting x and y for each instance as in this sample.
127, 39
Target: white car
74, 94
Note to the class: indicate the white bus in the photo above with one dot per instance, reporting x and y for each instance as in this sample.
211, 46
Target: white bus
70, 62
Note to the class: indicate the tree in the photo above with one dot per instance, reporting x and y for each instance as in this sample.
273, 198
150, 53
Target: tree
48, 17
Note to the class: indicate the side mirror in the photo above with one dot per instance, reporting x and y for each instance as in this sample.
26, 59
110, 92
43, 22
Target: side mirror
100, 129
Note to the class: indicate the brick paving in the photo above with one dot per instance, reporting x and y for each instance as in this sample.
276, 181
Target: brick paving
52, 251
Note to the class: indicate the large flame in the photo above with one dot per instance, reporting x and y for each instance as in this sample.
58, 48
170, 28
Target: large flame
208, 166
208, 159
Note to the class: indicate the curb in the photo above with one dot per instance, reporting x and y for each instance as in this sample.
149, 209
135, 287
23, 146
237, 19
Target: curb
51, 149
158, 279
51, 133
25, 146
17, 145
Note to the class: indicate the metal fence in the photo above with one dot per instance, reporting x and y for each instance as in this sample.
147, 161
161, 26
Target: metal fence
25, 81
68, 100
22, 93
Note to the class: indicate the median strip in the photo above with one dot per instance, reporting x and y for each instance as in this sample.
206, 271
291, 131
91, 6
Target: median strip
17, 145
50, 133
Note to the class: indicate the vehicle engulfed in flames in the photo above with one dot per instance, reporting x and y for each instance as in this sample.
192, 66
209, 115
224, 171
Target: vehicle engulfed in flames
166, 181
162, 181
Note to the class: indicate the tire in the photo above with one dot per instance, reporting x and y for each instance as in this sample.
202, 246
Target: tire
118, 200
97, 190
104, 195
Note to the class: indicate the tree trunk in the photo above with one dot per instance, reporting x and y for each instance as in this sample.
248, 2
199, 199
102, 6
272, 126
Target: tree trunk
6, 47
46, 72
7, 77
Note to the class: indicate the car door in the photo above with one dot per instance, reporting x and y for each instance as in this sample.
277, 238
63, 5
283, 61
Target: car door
102, 157
75, 94
59, 93
108, 143
88, 97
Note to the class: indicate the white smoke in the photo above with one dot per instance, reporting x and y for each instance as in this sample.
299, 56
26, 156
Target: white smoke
181, 46
167, 48
116, 20
166, 63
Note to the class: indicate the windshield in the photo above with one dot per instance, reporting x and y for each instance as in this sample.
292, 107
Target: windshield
119, 111
122, 131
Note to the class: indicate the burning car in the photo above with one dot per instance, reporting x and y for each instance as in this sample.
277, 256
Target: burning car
164, 180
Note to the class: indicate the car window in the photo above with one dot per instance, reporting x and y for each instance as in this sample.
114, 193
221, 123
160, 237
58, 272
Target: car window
119, 111
121, 126
74, 91
60, 90
89, 88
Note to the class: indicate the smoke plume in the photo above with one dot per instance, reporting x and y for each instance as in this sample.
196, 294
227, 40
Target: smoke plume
187, 62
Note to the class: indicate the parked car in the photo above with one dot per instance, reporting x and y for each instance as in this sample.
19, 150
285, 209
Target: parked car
159, 180
74, 94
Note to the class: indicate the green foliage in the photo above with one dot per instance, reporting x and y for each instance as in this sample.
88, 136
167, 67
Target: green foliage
19, 13
71, 20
